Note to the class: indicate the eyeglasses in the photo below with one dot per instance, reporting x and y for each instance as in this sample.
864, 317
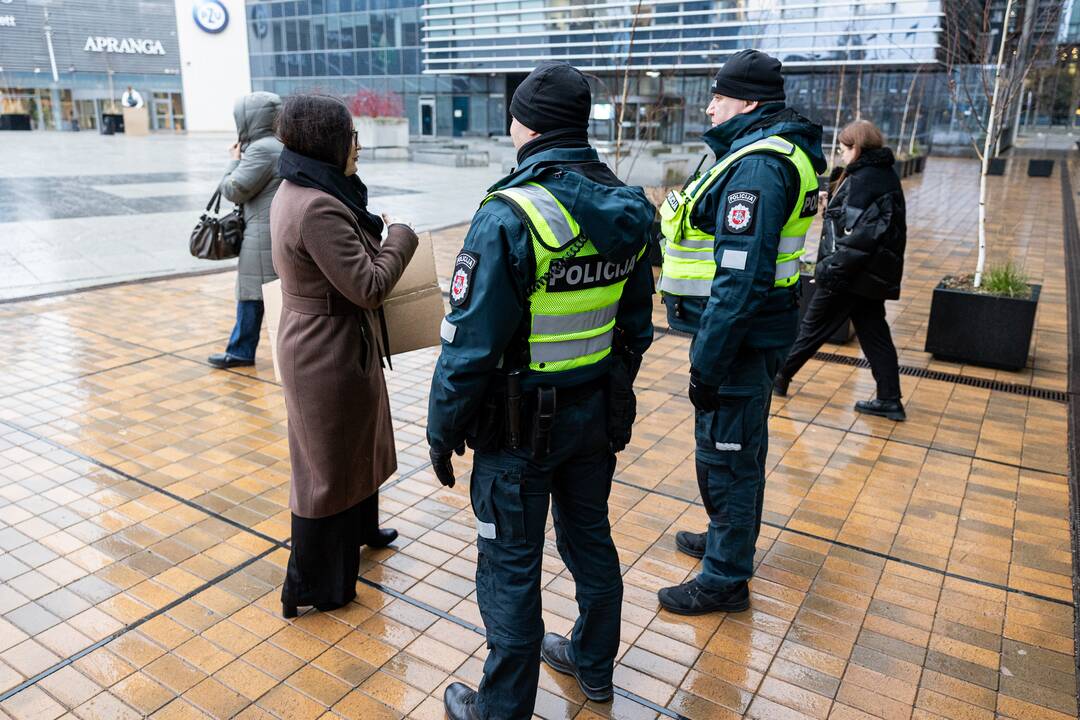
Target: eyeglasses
355, 138
841, 148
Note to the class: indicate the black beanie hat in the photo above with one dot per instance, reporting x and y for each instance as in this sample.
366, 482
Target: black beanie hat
554, 96
750, 75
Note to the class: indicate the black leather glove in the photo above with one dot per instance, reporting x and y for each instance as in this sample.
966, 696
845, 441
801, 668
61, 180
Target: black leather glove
442, 465
705, 397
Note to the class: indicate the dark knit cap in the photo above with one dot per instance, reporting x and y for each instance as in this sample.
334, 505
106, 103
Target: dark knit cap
750, 75
554, 96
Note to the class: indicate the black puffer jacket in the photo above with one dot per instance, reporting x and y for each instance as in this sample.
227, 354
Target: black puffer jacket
865, 230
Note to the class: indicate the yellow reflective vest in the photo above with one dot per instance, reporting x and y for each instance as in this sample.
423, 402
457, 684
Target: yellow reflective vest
689, 260
575, 295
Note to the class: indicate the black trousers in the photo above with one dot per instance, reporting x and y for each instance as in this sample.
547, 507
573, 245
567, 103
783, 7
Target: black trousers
824, 316
325, 558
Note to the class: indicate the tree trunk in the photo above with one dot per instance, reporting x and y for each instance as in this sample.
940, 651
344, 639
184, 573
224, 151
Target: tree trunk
836, 121
625, 88
988, 145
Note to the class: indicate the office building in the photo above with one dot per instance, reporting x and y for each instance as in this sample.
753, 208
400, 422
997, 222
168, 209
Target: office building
63, 64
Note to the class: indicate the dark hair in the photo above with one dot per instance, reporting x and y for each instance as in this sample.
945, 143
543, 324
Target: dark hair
318, 126
861, 135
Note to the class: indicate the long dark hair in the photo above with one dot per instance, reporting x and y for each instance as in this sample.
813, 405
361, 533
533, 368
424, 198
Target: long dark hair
861, 135
318, 126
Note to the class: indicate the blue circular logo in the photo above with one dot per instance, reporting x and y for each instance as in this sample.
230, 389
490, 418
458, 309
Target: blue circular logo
210, 15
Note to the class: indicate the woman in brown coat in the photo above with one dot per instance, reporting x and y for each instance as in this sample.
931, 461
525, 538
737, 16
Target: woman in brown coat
335, 274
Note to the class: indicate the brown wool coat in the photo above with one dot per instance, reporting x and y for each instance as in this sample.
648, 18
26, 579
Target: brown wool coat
341, 441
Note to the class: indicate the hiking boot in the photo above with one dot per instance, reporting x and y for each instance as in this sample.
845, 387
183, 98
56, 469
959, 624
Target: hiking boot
692, 598
555, 651
692, 544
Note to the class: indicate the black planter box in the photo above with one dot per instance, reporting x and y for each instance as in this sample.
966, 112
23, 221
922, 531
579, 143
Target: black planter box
997, 166
1040, 168
985, 330
920, 163
841, 336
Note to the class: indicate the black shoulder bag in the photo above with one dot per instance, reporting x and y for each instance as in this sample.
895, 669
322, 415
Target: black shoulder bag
217, 238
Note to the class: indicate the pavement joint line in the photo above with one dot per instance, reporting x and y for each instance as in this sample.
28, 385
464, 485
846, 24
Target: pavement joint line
92, 373
128, 476
862, 433
858, 548
275, 545
1033, 391
463, 623
11, 692
868, 551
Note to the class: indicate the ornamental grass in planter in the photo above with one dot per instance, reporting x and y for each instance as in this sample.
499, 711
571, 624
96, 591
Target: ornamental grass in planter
991, 325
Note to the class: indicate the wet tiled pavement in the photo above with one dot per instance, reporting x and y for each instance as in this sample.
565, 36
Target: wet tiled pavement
918, 571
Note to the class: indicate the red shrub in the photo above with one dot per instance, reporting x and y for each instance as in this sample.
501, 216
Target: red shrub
370, 103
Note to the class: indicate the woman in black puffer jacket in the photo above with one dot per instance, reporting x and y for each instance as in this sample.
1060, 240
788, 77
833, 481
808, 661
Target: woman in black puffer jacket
860, 264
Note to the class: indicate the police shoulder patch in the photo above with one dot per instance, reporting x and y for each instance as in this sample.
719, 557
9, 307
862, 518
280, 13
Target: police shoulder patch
740, 209
461, 283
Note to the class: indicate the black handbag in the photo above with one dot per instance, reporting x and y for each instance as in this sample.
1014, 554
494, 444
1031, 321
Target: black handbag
217, 238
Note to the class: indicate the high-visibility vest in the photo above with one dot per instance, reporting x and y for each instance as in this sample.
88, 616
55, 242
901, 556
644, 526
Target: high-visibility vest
689, 263
572, 311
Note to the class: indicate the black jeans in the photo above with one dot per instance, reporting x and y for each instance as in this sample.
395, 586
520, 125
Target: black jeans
826, 313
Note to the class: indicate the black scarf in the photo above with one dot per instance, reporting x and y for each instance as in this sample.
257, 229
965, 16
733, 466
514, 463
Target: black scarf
562, 138
308, 172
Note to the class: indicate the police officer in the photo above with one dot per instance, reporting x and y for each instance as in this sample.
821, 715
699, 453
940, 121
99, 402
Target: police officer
550, 313
733, 238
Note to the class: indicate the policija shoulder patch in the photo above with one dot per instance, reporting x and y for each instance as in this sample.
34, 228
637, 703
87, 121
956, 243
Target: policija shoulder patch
461, 284
740, 211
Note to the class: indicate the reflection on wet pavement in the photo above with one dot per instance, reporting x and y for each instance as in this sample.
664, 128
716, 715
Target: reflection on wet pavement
905, 571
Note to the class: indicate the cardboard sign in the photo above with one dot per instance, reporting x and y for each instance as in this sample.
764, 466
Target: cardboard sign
414, 309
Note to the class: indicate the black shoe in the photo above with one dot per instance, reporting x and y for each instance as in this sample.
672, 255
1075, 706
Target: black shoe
780, 386
382, 538
892, 409
223, 361
692, 544
691, 598
555, 651
460, 702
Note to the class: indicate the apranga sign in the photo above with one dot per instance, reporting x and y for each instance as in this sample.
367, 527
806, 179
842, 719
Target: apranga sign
125, 46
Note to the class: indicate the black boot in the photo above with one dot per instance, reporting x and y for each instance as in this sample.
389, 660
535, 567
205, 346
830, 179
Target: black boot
892, 409
691, 598
780, 385
460, 702
692, 544
555, 651
382, 538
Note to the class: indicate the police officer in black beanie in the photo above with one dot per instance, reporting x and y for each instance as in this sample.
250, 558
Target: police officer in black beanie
550, 312
734, 237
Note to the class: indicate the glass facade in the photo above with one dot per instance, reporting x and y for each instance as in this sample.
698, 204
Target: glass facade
65, 64
456, 63
341, 46
477, 36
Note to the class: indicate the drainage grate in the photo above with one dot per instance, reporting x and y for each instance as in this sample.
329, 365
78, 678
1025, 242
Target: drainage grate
1014, 388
